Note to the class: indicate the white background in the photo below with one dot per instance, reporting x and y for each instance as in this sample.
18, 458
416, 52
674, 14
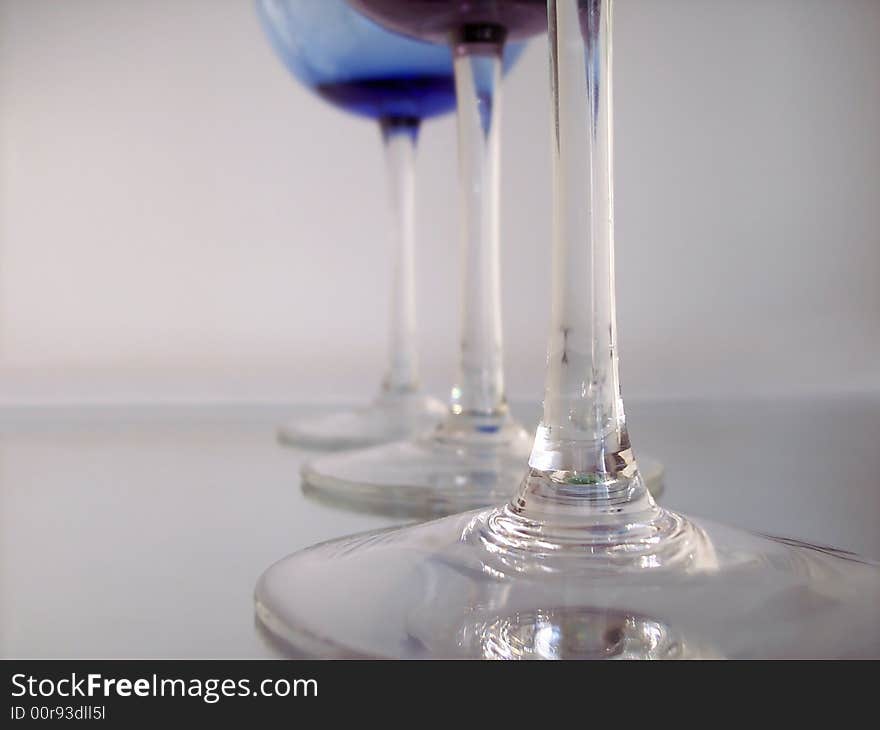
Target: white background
179, 220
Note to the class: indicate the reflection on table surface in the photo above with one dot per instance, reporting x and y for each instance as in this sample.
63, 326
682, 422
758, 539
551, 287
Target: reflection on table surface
139, 532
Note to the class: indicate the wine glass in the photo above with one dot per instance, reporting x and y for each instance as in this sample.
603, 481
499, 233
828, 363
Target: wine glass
366, 70
581, 563
476, 453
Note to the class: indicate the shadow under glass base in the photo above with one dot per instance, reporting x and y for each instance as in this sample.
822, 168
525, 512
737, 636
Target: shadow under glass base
390, 417
475, 586
430, 477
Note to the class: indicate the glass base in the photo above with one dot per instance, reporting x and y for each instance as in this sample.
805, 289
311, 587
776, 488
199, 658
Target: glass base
492, 584
390, 417
431, 477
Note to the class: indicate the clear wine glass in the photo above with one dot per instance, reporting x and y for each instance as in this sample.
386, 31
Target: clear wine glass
581, 563
476, 453
364, 69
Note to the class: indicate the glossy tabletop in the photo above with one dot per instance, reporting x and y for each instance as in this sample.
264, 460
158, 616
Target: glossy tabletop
140, 531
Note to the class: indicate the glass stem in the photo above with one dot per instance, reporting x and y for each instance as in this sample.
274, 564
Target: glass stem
400, 136
479, 390
582, 438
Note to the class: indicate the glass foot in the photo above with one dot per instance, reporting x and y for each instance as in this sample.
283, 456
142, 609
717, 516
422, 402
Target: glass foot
389, 418
491, 584
430, 477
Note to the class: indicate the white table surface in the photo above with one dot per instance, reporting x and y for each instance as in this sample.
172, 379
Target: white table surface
140, 531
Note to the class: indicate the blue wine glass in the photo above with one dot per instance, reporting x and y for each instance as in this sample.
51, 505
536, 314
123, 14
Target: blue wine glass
365, 70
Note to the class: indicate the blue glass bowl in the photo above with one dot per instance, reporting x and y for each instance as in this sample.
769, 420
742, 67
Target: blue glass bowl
358, 65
